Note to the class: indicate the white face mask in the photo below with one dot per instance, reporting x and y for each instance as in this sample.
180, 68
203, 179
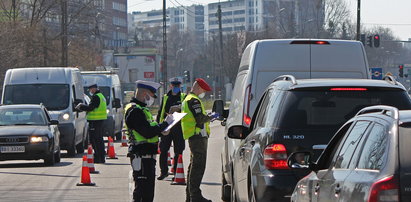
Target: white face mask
201, 95
149, 101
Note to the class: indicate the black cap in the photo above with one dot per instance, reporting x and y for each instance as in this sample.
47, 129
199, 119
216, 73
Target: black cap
92, 86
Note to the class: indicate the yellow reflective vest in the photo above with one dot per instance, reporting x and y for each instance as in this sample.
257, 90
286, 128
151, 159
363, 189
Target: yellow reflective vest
137, 137
99, 113
188, 123
163, 109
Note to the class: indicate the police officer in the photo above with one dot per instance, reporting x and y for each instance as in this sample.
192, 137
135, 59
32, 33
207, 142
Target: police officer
143, 134
196, 129
171, 102
96, 114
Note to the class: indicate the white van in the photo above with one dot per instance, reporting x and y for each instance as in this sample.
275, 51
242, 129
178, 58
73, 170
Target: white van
109, 84
60, 90
265, 60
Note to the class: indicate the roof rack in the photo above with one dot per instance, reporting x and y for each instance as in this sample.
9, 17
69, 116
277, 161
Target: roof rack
383, 109
98, 72
286, 78
390, 79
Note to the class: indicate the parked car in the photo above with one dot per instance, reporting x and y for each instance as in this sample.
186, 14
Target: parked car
109, 84
366, 160
298, 115
27, 132
60, 90
264, 60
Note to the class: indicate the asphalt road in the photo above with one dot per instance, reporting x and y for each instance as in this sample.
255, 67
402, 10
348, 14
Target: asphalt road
32, 181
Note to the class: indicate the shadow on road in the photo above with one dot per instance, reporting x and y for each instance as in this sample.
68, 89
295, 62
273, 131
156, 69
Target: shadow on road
38, 174
34, 164
211, 183
116, 164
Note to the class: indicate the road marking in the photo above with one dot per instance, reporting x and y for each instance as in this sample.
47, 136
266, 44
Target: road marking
130, 185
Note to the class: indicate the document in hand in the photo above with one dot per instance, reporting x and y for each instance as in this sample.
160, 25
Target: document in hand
176, 118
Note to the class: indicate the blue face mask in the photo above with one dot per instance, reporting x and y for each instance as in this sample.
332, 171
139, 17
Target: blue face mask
176, 89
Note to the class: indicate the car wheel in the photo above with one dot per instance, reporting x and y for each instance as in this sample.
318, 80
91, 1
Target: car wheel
233, 193
251, 191
71, 151
225, 192
57, 156
50, 159
118, 136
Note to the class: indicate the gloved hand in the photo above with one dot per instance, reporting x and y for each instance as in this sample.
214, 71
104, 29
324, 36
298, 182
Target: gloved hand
169, 119
214, 116
165, 133
78, 106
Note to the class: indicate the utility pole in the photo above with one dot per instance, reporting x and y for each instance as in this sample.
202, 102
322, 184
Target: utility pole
164, 46
358, 20
220, 29
64, 44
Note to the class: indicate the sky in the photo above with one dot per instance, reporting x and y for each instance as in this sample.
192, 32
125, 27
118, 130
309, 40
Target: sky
395, 14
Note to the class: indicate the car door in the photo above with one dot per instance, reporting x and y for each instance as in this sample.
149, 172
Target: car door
330, 181
241, 163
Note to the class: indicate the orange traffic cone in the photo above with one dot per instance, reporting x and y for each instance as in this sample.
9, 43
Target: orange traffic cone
179, 178
172, 171
85, 174
111, 152
90, 160
123, 139
168, 159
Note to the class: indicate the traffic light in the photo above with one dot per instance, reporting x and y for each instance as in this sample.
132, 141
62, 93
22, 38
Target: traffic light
376, 40
369, 41
401, 70
187, 76
362, 38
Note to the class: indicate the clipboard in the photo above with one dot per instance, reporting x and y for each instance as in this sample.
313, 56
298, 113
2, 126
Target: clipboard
177, 117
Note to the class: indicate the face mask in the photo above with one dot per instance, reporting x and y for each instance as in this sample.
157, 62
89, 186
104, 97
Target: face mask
176, 90
201, 95
149, 101
91, 94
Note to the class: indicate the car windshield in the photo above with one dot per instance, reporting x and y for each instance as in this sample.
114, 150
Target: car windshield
19, 116
103, 89
330, 109
53, 96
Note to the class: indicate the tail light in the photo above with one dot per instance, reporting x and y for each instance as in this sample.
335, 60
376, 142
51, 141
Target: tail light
275, 157
348, 89
246, 106
385, 189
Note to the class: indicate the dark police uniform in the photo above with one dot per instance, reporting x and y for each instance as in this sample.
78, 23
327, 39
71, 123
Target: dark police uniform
196, 129
143, 134
176, 134
96, 114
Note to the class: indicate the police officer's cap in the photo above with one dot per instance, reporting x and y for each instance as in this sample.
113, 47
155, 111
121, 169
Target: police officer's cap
175, 81
94, 85
152, 86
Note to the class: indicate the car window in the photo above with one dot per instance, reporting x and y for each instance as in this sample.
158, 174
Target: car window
262, 112
273, 108
374, 152
350, 144
21, 116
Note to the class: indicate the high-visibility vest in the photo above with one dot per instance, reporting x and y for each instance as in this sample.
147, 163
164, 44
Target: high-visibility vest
188, 123
163, 109
137, 137
99, 113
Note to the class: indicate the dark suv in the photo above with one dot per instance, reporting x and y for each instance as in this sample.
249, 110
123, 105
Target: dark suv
299, 115
366, 160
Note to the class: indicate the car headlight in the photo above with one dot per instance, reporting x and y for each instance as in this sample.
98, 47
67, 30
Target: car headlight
36, 139
108, 111
66, 116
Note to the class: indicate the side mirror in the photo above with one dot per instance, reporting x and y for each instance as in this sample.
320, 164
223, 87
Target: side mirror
116, 103
238, 132
218, 107
54, 122
300, 160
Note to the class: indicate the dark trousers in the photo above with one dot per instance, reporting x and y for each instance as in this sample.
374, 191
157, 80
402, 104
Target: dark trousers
144, 180
198, 157
96, 139
165, 143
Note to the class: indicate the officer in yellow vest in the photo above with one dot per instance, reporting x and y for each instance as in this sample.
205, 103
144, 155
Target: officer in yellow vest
96, 114
196, 129
171, 102
143, 134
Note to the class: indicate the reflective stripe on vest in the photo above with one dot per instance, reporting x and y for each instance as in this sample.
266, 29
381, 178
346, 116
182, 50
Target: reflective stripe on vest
136, 136
163, 109
99, 113
188, 123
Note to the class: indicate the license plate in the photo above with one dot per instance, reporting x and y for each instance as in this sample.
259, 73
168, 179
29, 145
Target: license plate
12, 149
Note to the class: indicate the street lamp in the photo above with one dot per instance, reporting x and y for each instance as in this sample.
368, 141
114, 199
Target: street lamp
117, 41
179, 59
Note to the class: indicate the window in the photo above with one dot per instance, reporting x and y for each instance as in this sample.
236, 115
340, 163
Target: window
374, 152
350, 144
261, 117
273, 108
